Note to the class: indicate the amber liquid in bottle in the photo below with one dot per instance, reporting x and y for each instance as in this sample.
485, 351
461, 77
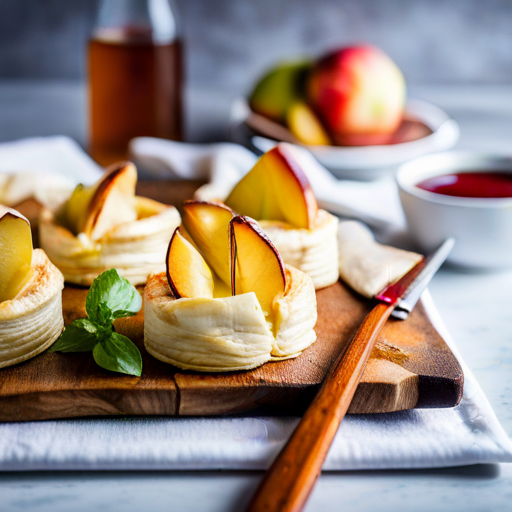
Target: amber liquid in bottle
135, 90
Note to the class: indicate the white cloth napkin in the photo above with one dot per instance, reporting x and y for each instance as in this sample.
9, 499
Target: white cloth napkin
375, 203
467, 434
49, 155
46, 168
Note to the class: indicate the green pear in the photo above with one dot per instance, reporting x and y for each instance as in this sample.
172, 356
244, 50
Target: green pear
282, 86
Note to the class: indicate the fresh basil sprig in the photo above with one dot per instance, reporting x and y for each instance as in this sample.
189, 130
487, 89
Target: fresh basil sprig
110, 297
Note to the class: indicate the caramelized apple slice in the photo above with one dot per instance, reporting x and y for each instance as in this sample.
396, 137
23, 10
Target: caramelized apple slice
256, 265
252, 195
145, 207
97, 209
305, 125
291, 188
276, 188
72, 213
15, 253
208, 225
187, 272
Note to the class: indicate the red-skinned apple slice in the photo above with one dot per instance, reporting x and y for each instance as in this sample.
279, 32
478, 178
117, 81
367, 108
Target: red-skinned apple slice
256, 265
97, 209
187, 272
276, 188
15, 253
208, 225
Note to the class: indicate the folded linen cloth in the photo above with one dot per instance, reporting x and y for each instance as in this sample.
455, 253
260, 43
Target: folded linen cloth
420, 438
45, 168
222, 165
467, 434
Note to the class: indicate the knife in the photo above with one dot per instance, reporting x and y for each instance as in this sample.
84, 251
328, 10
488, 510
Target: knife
288, 483
409, 288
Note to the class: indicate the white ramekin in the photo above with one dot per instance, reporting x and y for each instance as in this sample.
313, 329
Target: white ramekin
482, 227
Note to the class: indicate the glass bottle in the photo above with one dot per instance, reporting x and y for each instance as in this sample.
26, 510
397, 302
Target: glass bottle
135, 76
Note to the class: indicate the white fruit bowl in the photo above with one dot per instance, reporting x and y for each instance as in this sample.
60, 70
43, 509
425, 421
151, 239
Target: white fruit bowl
482, 227
361, 162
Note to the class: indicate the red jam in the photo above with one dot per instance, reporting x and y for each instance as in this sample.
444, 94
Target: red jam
470, 184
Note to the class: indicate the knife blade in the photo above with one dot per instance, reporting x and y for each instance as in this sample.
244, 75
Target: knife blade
405, 292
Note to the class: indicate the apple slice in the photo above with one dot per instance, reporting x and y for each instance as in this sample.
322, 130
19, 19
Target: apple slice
276, 188
145, 207
208, 225
97, 209
187, 272
305, 125
256, 265
15, 251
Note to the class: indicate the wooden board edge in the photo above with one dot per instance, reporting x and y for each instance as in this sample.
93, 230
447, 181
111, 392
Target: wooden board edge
62, 404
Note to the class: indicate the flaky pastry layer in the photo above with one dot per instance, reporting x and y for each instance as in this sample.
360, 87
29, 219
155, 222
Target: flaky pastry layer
314, 251
136, 249
231, 333
32, 321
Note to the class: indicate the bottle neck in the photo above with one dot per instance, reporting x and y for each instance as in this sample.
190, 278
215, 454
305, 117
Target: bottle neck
137, 21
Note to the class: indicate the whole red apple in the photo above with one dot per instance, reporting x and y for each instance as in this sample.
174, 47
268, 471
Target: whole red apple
359, 94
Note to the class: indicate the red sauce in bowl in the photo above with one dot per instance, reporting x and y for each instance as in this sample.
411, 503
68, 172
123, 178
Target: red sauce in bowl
478, 184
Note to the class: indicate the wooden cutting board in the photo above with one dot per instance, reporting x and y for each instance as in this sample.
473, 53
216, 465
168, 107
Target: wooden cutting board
411, 366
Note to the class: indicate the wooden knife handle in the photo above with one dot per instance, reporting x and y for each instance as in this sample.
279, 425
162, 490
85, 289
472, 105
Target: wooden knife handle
289, 481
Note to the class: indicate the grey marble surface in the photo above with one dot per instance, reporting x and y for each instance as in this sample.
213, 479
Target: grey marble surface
477, 309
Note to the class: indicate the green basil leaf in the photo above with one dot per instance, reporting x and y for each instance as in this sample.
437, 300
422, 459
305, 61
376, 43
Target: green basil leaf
114, 292
79, 336
118, 354
104, 316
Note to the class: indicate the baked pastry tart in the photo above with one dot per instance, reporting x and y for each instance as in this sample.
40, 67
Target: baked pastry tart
367, 266
107, 226
30, 293
227, 301
276, 192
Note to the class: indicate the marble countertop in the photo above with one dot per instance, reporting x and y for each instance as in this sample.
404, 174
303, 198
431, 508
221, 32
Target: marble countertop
477, 309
